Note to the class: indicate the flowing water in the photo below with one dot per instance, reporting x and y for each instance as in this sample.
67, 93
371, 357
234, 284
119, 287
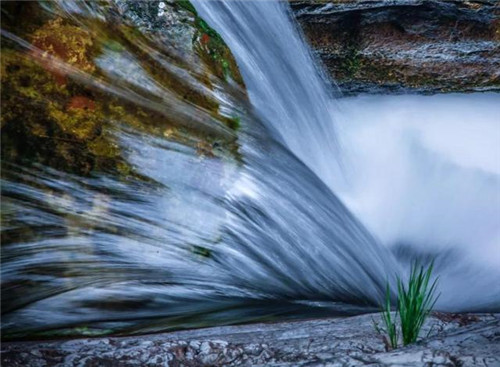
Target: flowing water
423, 174
199, 236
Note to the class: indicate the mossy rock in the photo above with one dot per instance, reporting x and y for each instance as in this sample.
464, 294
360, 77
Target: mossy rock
55, 110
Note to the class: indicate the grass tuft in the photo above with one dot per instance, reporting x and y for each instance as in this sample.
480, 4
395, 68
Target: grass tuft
390, 325
414, 304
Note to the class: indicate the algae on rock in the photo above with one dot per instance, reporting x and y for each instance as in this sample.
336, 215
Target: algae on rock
64, 88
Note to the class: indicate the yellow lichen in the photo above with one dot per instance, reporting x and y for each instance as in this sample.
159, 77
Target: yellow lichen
64, 121
104, 147
67, 42
80, 123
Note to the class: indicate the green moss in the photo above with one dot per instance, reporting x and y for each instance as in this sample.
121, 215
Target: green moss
213, 50
185, 4
51, 117
78, 331
234, 123
46, 116
201, 251
352, 62
104, 147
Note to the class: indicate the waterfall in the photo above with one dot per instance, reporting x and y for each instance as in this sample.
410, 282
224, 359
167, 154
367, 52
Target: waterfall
399, 175
252, 226
286, 87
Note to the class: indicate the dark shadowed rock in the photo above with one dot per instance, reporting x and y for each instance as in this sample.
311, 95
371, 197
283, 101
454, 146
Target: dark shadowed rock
405, 45
328, 342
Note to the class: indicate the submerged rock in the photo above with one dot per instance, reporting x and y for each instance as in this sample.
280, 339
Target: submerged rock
329, 342
405, 45
80, 82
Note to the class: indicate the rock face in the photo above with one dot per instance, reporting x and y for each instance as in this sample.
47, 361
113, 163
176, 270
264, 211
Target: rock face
455, 341
77, 78
405, 45
71, 70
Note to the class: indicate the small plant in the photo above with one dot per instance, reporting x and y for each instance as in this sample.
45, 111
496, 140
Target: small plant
415, 302
392, 331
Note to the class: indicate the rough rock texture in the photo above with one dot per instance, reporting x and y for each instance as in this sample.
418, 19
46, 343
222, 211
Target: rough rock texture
405, 45
66, 79
455, 340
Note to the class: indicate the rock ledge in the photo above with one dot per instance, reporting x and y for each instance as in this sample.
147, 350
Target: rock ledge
455, 340
399, 46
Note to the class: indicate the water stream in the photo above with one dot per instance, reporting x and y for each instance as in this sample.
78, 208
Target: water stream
322, 204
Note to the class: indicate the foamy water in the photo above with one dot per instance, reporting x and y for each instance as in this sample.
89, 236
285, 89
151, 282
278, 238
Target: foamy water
424, 172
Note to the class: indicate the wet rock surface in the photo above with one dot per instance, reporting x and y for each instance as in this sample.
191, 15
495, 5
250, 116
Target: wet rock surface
71, 73
396, 46
79, 81
454, 340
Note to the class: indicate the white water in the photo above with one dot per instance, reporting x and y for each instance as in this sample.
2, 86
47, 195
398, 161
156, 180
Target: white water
421, 173
278, 236
425, 171
285, 85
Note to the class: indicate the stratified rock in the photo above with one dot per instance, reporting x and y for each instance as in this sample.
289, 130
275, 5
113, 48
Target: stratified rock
405, 45
329, 342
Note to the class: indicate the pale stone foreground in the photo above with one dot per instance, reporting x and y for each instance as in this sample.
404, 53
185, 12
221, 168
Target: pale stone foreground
455, 340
